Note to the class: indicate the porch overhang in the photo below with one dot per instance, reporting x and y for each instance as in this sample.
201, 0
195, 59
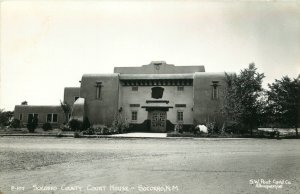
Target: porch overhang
156, 106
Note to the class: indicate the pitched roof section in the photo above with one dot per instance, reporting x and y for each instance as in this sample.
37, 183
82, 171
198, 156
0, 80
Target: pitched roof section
159, 67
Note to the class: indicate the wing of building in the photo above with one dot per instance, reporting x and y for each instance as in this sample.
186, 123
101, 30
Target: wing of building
152, 97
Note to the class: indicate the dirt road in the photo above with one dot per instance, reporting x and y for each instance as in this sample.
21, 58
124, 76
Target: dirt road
68, 165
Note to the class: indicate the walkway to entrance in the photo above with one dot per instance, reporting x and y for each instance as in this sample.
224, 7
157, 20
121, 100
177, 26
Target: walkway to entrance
141, 135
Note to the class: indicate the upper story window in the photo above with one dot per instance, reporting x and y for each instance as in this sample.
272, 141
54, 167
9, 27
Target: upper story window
20, 117
180, 88
52, 118
98, 90
215, 90
180, 105
157, 92
134, 88
134, 105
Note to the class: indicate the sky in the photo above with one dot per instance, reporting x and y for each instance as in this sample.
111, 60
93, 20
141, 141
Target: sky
48, 45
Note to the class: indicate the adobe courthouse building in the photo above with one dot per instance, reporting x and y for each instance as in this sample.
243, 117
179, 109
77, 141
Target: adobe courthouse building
152, 97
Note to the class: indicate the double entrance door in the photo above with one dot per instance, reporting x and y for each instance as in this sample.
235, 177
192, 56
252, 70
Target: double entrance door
158, 121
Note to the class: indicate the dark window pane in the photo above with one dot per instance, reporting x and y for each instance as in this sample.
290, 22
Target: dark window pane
49, 118
54, 118
157, 92
30, 117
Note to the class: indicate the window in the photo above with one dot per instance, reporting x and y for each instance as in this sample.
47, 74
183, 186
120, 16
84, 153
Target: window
134, 115
180, 88
51, 118
54, 118
134, 105
98, 90
215, 93
157, 92
20, 117
33, 115
180, 105
215, 90
179, 116
134, 88
75, 98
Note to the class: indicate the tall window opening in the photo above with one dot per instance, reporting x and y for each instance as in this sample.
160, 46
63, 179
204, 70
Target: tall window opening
98, 90
134, 115
215, 90
180, 116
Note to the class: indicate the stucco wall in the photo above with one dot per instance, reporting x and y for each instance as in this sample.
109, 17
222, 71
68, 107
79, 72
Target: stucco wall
207, 109
42, 112
70, 93
163, 68
170, 93
100, 111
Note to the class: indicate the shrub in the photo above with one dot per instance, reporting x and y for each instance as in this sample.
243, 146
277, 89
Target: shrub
47, 126
65, 127
100, 130
76, 135
32, 124
86, 124
178, 128
75, 124
89, 131
120, 124
15, 123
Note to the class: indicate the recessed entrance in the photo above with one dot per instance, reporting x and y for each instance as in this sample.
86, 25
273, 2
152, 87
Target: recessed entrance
158, 121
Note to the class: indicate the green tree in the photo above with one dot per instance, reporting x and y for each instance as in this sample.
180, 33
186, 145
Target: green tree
66, 109
242, 104
284, 102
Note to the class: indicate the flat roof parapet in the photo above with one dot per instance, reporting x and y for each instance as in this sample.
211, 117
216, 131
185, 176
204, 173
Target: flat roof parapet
159, 67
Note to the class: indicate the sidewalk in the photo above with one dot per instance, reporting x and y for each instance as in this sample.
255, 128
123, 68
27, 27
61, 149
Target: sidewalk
153, 135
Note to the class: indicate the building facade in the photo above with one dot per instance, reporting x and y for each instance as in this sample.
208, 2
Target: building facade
153, 97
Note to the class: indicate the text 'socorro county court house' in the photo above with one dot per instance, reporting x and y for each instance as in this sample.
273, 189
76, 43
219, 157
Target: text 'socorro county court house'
152, 97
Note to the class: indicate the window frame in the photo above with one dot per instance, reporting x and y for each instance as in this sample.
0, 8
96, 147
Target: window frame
33, 115
215, 92
134, 115
180, 88
52, 118
179, 116
99, 87
134, 88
